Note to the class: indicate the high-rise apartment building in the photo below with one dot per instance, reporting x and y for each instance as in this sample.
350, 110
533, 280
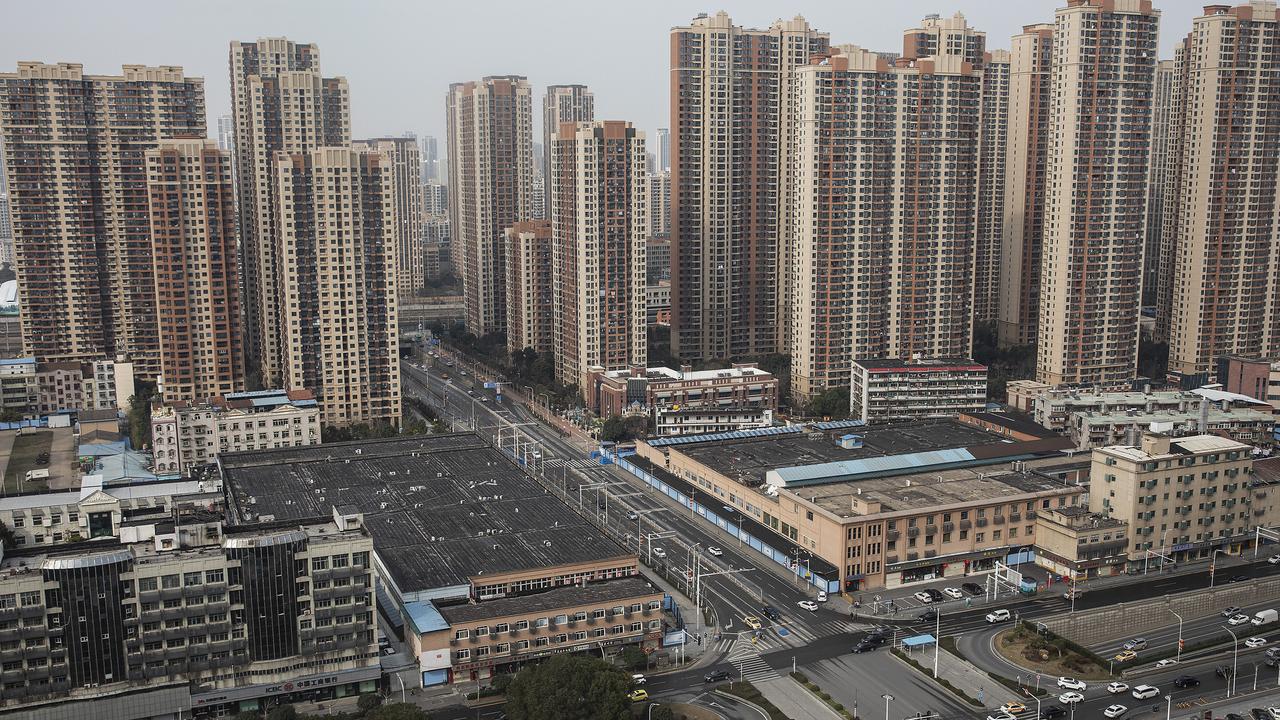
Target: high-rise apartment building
281, 104
193, 243
731, 111
885, 169
430, 159
664, 149
340, 336
1224, 260
406, 167
490, 187
561, 104
530, 297
1163, 138
227, 133
993, 143
435, 200
6, 229
1022, 229
1170, 202
945, 36
74, 155
599, 257
660, 203
1104, 60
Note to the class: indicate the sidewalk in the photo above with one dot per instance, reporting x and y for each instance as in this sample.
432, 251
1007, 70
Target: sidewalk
794, 700
969, 679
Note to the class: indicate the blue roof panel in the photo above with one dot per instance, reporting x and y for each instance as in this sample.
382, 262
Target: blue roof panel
425, 617
852, 469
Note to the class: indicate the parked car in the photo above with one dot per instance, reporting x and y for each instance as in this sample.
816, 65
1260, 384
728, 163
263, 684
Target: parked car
1186, 681
1071, 697
1000, 615
1274, 712
822, 596
973, 588
935, 594
1136, 644
923, 597
1071, 684
953, 593
998, 715
1259, 714
1274, 559
1239, 578
1116, 688
714, 551
1234, 716
1115, 711
716, 676
631, 515
809, 605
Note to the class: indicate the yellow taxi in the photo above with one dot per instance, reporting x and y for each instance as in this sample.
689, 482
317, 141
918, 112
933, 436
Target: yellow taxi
752, 622
638, 695
1125, 656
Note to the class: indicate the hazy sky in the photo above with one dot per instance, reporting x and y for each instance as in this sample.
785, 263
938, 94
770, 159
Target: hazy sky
400, 57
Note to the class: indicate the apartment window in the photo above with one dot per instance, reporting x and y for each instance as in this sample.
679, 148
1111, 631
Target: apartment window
192, 578
145, 584
169, 581
462, 634
320, 563
463, 654
979, 537
501, 628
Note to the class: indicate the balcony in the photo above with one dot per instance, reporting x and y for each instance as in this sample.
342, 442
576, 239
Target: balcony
965, 524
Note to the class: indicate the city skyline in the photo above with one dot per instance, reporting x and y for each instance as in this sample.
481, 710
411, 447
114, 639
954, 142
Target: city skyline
382, 108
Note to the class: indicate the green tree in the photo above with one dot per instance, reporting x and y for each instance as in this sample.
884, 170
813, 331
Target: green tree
144, 393
247, 715
834, 403
1016, 362
282, 712
634, 658
368, 702
662, 712
569, 687
397, 711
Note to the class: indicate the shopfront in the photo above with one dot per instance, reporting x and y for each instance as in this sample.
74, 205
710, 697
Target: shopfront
314, 688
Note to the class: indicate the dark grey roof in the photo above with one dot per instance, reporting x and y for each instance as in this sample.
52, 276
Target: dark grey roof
554, 599
441, 508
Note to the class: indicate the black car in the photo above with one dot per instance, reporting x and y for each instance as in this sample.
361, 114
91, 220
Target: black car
1259, 714
716, 676
1053, 711
935, 594
1186, 681
771, 612
861, 647
927, 616
973, 588
1234, 716
1239, 578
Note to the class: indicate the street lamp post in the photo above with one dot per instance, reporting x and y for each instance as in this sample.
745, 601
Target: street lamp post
1168, 706
887, 697
1036, 698
1179, 633
937, 640
1235, 657
1213, 565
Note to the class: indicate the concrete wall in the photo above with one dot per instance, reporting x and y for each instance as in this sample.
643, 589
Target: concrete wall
1138, 617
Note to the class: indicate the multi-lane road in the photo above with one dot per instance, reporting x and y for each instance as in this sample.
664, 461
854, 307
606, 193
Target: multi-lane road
737, 583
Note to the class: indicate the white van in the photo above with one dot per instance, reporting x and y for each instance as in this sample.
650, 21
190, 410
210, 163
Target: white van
1143, 692
1263, 617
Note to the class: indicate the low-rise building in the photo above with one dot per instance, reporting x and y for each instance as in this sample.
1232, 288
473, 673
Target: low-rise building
1182, 498
1255, 377
916, 389
738, 395
1021, 394
880, 506
1073, 542
18, 384
186, 617
480, 565
74, 387
657, 298
187, 436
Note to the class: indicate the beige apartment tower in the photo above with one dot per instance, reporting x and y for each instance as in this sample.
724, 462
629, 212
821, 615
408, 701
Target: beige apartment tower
885, 167
1163, 138
1104, 60
1022, 230
561, 104
993, 144
193, 243
337, 219
530, 298
75, 157
731, 114
1225, 271
281, 103
600, 229
405, 157
490, 188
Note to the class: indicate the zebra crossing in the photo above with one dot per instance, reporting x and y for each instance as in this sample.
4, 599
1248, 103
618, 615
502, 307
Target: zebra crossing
574, 463
745, 656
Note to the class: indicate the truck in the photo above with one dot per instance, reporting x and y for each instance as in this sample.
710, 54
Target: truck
1264, 617
43, 474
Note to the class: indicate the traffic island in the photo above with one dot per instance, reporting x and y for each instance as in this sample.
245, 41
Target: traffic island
1048, 654
823, 696
943, 681
751, 695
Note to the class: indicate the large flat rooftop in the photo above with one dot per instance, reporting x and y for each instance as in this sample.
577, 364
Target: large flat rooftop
442, 509
553, 599
747, 460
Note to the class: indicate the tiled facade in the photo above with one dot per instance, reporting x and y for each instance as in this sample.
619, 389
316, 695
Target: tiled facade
74, 155
190, 435
560, 104
530, 291
406, 170
893, 390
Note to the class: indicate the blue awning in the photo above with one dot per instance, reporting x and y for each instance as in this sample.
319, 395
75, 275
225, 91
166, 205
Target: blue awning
918, 641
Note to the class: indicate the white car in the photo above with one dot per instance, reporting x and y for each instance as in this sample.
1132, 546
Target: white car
822, 596
638, 679
713, 550
1070, 697
1071, 684
1274, 712
1000, 715
659, 552
996, 616
809, 605
1145, 692
923, 597
1115, 711
1255, 642
1238, 619
1167, 662
1274, 559
953, 593
1116, 688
